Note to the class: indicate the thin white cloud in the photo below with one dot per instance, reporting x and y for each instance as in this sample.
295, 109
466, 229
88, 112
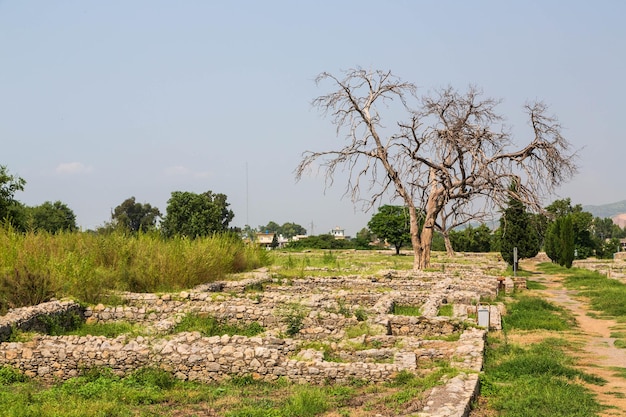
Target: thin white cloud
72, 168
177, 170
182, 171
202, 174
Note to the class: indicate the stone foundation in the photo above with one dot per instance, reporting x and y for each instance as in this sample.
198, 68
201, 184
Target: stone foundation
330, 308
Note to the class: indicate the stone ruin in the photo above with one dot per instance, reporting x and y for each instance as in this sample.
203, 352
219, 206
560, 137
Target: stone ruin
329, 307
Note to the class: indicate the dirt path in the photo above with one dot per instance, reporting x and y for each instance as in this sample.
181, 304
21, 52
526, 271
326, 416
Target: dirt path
598, 355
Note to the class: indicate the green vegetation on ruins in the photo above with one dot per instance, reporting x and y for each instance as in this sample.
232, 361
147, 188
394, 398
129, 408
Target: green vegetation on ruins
210, 326
153, 392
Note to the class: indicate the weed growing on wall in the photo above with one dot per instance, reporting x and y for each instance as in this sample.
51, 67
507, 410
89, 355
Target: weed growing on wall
210, 326
293, 316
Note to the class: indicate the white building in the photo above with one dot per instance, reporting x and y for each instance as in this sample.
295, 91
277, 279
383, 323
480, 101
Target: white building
338, 233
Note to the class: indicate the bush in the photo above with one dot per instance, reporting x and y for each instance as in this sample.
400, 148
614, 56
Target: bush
9, 375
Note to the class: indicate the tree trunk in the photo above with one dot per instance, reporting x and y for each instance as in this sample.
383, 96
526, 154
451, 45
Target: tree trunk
422, 243
433, 207
415, 237
449, 248
424, 253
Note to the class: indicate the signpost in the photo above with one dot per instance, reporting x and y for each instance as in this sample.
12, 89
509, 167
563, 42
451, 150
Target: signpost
515, 261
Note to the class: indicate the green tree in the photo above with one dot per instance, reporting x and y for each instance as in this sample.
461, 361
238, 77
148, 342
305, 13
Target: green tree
288, 229
363, 238
471, 239
518, 230
291, 229
567, 241
325, 241
391, 223
194, 215
271, 227
552, 243
134, 216
605, 229
249, 233
582, 223
274, 243
9, 185
52, 217
606, 235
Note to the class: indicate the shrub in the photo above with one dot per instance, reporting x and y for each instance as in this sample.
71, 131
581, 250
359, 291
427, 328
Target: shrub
293, 316
9, 375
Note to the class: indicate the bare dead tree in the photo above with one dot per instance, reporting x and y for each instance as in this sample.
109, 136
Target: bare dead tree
450, 150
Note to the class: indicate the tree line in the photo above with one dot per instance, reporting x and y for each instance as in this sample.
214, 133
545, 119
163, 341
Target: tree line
187, 214
564, 231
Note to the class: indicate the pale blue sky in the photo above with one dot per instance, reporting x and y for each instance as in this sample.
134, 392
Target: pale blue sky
104, 100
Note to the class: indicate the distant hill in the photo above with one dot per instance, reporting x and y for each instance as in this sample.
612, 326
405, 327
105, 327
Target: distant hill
607, 210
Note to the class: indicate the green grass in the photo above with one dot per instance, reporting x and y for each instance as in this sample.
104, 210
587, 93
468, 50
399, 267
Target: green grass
153, 392
402, 310
108, 329
532, 313
413, 386
537, 380
445, 310
519, 273
534, 285
324, 263
210, 326
620, 343
363, 328
620, 372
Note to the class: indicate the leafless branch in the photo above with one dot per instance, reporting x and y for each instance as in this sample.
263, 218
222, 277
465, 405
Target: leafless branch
441, 157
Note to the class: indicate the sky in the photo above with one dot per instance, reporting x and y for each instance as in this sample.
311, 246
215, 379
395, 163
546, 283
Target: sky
102, 101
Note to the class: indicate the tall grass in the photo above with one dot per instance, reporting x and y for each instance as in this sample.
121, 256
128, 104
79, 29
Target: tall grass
37, 266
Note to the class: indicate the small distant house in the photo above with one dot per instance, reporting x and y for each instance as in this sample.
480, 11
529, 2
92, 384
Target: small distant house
265, 239
338, 233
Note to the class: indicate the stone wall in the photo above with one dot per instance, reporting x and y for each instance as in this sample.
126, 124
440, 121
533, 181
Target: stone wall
189, 356
41, 318
425, 327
